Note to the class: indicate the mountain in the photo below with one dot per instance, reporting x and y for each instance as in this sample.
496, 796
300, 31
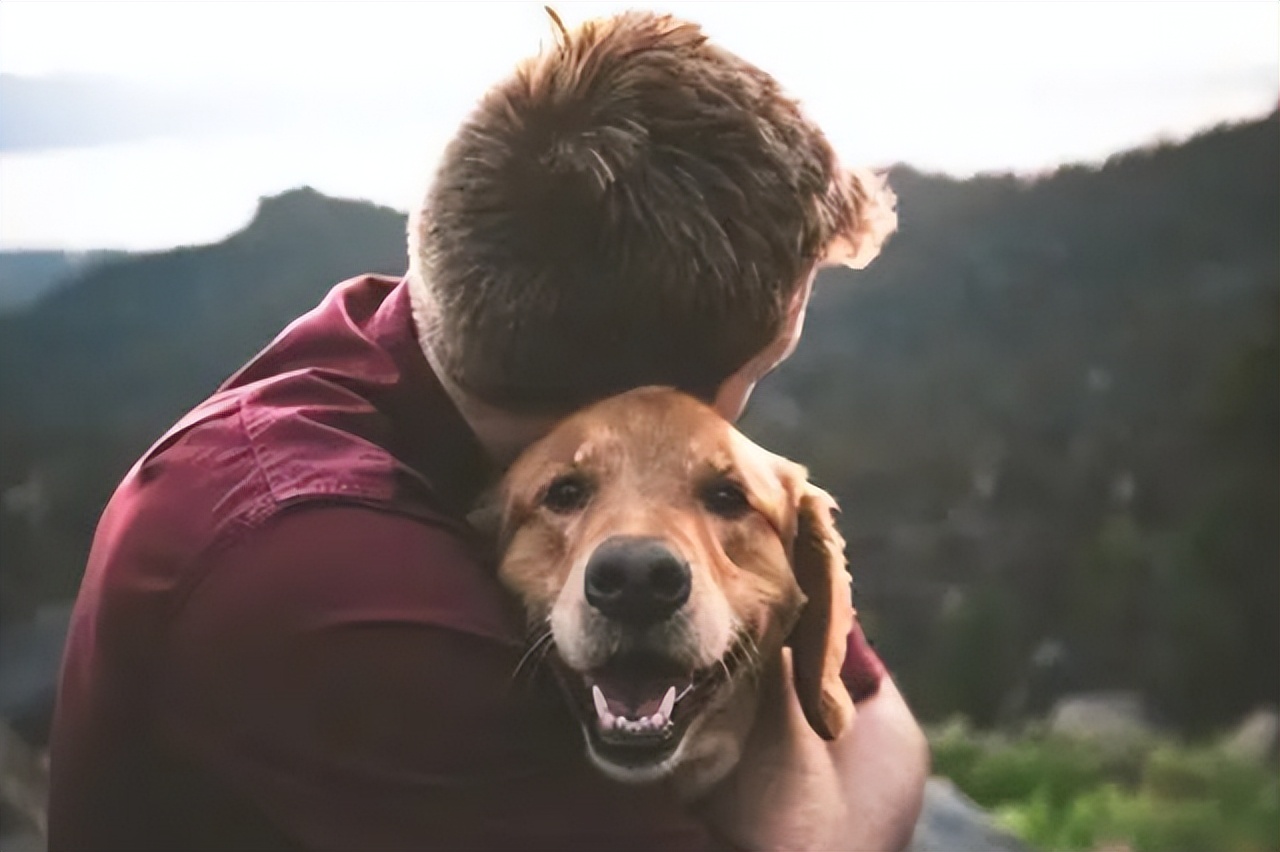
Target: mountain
142, 338
84, 110
25, 276
94, 372
1049, 411
69, 110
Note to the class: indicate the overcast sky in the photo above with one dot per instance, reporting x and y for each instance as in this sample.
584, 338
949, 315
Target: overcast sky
954, 86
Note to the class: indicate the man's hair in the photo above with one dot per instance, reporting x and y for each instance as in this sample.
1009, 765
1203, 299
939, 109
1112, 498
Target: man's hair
634, 206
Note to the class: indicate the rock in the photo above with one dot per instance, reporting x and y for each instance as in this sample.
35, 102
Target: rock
951, 822
1257, 738
30, 654
24, 783
1108, 718
21, 841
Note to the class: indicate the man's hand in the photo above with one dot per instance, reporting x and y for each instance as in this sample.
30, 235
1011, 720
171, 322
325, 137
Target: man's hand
794, 791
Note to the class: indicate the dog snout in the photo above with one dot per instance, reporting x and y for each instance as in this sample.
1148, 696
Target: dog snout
636, 581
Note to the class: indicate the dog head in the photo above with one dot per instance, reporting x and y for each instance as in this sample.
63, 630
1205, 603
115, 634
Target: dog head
669, 559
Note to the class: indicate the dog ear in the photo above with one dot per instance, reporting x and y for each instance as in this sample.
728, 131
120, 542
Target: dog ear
819, 638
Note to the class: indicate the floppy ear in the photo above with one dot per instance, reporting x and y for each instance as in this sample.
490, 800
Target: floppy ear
820, 636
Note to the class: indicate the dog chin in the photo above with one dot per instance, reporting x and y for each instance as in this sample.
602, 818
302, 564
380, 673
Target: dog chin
641, 774
702, 759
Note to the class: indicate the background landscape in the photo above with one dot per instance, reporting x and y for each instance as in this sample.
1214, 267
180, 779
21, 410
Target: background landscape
1050, 411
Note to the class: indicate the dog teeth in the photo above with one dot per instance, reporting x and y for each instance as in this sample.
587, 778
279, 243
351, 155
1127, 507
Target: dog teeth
607, 719
659, 721
643, 725
667, 705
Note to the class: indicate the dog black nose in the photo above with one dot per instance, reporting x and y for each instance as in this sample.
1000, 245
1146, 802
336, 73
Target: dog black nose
636, 580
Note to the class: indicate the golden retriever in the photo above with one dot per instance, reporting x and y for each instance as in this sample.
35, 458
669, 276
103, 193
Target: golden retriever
664, 561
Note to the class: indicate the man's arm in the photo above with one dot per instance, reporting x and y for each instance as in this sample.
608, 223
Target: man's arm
346, 675
882, 765
795, 791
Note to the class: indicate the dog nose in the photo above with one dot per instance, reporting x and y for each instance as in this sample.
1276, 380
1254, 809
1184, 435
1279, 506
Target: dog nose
636, 580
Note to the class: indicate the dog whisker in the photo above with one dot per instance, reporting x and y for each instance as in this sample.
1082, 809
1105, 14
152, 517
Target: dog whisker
752, 651
725, 668
537, 652
746, 653
642, 665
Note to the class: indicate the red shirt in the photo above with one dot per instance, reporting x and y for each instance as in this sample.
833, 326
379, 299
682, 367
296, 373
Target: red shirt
287, 638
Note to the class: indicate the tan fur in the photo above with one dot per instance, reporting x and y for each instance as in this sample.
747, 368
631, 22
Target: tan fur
647, 453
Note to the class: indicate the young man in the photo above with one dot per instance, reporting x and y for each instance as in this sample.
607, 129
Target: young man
289, 637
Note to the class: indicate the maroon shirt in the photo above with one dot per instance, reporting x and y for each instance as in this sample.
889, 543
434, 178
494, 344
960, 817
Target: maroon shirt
287, 638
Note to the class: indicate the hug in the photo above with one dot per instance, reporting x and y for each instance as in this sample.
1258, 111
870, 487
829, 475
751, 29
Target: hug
475, 559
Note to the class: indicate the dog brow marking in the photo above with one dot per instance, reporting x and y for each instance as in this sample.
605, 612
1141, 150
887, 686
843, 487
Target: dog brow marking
712, 469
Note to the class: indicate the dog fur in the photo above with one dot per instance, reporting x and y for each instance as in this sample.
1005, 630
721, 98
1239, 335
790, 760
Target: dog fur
649, 463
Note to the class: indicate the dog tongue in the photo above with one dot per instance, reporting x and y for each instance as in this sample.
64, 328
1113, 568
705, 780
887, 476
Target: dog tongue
635, 696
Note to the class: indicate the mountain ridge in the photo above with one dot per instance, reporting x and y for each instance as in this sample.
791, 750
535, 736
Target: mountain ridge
1044, 388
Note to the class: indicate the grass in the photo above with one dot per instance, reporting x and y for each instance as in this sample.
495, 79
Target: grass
1157, 795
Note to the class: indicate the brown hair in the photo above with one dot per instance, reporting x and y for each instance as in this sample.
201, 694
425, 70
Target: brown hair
633, 206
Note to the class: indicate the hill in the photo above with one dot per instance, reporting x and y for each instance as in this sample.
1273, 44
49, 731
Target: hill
140, 338
1049, 410
97, 370
26, 276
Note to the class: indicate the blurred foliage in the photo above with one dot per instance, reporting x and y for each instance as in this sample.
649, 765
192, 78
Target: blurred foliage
1157, 795
1051, 414
1049, 411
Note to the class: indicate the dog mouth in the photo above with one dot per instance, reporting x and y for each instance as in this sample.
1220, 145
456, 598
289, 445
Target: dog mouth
636, 708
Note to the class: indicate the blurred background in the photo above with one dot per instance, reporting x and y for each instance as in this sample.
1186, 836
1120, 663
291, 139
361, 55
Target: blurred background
1050, 410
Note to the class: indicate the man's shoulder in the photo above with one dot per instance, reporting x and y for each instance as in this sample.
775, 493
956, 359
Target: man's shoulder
299, 435
320, 567
340, 406
235, 461
243, 472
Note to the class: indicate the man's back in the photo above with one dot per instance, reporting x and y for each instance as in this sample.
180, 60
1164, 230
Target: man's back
286, 638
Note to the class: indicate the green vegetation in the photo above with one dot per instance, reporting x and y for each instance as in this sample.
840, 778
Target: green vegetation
1157, 795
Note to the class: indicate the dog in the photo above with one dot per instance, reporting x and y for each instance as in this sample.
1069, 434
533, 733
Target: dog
664, 561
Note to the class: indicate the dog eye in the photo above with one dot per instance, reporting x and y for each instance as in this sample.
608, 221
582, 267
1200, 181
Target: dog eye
726, 499
567, 493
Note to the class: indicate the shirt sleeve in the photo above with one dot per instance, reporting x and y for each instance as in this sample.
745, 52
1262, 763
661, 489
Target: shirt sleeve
863, 669
351, 674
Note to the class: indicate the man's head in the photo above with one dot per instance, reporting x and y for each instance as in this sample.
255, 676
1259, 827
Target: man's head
634, 206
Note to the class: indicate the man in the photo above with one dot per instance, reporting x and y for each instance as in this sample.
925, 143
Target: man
289, 637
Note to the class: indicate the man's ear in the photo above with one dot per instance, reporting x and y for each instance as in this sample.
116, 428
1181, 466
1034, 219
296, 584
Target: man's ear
862, 200
821, 634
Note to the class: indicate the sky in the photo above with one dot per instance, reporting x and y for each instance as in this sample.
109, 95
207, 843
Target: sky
960, 87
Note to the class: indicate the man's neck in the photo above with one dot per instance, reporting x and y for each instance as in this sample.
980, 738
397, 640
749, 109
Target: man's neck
501, 434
